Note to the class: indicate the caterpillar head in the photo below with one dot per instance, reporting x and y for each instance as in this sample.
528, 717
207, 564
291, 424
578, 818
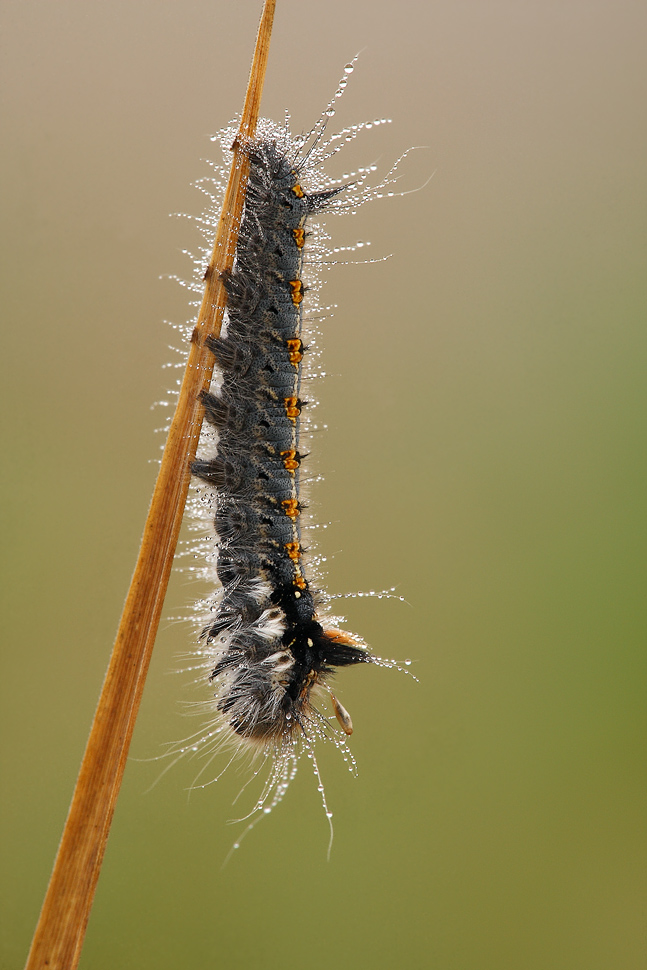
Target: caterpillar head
270, 696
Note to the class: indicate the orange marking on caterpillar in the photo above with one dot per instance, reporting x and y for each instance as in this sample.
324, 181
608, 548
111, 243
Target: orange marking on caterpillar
295, 351
291, 508
291, 461
293, 550
342, 636
298, 191
292, 408
299, 237
296, 291
300, 582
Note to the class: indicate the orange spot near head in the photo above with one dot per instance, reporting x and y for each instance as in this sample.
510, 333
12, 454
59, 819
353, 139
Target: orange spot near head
341, 636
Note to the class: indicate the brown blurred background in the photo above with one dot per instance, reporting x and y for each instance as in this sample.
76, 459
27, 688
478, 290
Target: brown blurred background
485, 454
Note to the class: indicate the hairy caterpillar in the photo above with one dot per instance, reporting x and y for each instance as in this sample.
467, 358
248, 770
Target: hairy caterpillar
272, 649
268, 645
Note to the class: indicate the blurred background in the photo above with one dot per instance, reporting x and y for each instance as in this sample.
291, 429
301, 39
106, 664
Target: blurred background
485, 455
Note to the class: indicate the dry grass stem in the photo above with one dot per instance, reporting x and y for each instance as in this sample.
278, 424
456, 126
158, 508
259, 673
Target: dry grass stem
61, 928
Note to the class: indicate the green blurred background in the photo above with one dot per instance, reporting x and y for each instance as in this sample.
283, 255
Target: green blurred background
485, 454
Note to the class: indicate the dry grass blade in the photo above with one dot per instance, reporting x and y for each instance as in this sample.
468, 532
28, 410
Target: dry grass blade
61, 928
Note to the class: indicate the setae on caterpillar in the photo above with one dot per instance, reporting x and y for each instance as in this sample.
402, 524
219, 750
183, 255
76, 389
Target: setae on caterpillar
267, 643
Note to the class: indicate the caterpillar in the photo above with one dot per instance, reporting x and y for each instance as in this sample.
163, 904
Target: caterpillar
268, 644
274, 650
